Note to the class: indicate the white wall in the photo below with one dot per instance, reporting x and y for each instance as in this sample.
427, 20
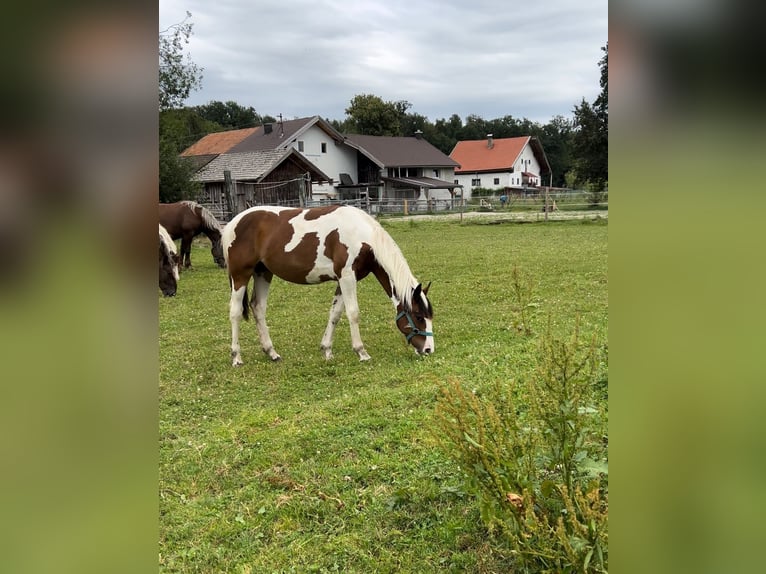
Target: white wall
336, 160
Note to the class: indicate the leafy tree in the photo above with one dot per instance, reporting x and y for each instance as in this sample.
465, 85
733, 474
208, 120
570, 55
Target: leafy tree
230, 115
591, 135
556, 138
175, 175
184, 126
370, 115
178, 74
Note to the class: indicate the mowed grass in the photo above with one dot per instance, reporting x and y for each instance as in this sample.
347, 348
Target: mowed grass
314, 466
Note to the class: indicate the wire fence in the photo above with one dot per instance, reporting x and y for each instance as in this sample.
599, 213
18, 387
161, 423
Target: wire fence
558, 205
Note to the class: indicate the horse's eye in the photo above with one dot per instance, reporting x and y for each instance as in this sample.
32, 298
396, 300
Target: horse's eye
420, 318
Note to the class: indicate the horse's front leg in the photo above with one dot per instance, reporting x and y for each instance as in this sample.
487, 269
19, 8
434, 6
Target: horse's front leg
260, 298
186, 242
347, 285
336, 310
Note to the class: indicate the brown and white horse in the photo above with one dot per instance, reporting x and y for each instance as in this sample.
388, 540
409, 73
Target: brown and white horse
308, 246
187, 219
169, 261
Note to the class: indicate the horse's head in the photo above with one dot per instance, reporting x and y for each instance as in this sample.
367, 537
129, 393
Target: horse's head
416, 322
169, 265
217, 252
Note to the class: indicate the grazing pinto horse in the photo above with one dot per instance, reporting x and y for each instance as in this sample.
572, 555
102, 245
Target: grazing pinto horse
307, 246
186, 220
168, 264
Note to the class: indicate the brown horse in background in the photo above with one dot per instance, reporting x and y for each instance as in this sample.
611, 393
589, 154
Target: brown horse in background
186, 220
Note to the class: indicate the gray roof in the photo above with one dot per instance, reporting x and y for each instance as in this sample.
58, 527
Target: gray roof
388, 151
282, 135
255, 165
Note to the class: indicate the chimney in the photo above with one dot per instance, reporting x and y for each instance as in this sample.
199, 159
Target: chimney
267, 128
490, 143
418, 135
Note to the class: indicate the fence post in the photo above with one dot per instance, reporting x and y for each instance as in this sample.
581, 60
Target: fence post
228, 191
302, 192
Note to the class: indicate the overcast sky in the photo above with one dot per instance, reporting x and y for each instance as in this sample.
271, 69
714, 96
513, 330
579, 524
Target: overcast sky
491, 58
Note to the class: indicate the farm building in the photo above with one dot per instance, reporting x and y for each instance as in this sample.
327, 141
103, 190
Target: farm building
504, 164
340, 166
403, 168
257, 178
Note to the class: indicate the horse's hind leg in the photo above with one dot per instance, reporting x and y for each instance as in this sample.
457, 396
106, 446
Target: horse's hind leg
347, 285
336, 310
260, 298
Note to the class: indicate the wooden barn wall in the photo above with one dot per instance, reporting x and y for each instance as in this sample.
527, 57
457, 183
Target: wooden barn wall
281, 186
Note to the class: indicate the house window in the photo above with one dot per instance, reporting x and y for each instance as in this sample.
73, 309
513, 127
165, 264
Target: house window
497, 181
436, 173
457, 182
476, 182
300, 146
324, 147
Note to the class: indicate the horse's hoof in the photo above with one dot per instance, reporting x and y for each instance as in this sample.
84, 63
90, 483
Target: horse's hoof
363, 356
276, 359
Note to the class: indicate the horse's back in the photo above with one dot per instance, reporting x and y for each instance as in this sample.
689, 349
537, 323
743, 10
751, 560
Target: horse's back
299, 245
180, 218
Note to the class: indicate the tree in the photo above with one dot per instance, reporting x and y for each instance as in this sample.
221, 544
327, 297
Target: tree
178, 74
591, 135
370, 115
556, 138
175, 175
229, 115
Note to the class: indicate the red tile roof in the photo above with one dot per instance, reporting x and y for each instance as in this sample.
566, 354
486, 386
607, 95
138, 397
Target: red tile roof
219, 142
475, 155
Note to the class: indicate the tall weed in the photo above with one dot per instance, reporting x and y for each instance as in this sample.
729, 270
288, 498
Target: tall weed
530, 454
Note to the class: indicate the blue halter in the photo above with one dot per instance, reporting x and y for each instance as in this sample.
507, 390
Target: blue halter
414, 330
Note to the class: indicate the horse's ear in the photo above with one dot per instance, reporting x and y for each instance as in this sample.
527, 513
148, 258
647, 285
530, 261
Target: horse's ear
416, 292
426, 288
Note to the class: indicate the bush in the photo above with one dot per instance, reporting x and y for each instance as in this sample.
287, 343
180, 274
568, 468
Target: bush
537, 467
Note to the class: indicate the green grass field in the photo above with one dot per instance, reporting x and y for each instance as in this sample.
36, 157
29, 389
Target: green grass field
313, 466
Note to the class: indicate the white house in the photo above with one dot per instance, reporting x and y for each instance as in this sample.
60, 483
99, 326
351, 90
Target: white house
503, 164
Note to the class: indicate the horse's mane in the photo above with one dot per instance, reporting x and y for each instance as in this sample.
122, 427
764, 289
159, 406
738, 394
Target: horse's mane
391, 259
166, 241
207, 217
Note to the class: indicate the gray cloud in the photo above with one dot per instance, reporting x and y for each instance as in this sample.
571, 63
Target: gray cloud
489, 58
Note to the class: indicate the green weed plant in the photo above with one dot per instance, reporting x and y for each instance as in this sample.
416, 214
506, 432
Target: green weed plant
532, 454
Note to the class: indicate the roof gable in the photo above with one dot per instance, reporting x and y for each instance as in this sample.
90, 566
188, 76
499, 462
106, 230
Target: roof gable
279, 135
387, 151
282, 134
476, 155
